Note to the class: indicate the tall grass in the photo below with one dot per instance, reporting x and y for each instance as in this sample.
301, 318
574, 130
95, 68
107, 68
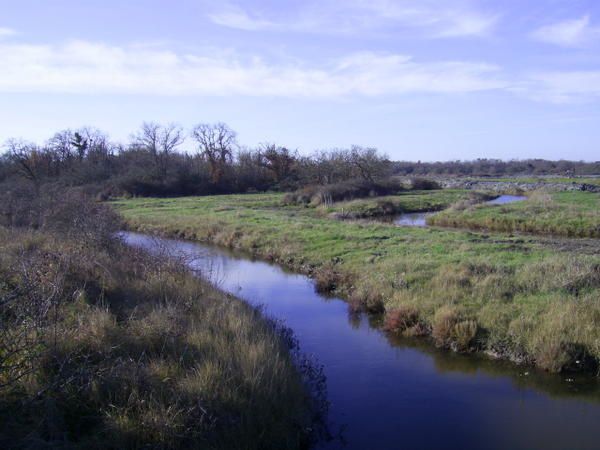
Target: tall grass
102, 346
572, 214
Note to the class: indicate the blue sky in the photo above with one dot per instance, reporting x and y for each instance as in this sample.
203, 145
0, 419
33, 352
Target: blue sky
419, 79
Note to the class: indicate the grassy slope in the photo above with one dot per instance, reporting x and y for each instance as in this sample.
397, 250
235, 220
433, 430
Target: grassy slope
142, 355
574, 214
511, 295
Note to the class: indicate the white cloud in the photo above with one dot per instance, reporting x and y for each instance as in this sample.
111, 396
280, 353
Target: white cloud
432, 18
87, 67
239, 19
569, 33
562, 87
6, 32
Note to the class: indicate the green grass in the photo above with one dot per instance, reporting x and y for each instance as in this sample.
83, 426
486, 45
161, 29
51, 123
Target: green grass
573, 214
524, 298
136, 353
412, 201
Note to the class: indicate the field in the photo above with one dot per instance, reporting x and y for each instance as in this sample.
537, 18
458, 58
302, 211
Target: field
411, 201
525, 298
573, 214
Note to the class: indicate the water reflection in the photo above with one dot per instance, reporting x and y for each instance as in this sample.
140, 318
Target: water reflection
504, 199
412, 219
387, 392
419, 219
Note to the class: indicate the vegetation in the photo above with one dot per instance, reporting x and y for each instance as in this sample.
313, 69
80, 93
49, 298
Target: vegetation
574, 214
102, 346
407, 202
165, 161
497, 168
154, 163
528, 299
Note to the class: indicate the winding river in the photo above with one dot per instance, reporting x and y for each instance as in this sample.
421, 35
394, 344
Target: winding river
388, 393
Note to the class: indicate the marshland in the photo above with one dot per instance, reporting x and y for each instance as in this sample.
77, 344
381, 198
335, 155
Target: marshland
259, 298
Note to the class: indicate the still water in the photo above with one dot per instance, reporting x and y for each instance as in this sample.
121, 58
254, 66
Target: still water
420, 219
390, 393
504, 199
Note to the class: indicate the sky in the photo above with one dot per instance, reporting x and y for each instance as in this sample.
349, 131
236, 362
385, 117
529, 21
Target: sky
418, 79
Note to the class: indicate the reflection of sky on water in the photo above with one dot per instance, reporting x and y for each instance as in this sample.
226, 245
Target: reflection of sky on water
398, 396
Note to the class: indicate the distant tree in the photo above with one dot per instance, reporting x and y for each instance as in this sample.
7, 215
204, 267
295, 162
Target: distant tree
279, 161
216, 143
160, 141
32, 163
368, 164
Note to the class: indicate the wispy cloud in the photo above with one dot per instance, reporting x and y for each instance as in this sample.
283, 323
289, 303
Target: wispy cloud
562, 86
5, 32
431, 18
87, 67
569, 33
237, 18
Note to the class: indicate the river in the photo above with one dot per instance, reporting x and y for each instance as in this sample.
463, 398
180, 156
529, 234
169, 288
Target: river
388, 393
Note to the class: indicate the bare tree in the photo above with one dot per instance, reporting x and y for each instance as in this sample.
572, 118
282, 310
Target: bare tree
216, 143
63, 144
160, 141
32, 162
367, 163
280, 161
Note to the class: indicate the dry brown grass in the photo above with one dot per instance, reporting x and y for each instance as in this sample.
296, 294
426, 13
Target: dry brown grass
134, 352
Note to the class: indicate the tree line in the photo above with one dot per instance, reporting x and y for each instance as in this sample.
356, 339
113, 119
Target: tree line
154, 163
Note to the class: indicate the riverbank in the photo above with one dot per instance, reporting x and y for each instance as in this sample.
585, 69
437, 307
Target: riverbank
570, 214
520, 298
106, 346
473, 401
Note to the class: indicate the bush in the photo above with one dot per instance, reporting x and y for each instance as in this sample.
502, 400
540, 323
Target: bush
344, 191
401, 319
423, 184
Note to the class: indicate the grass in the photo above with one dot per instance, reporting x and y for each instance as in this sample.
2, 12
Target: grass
572, 214
526, 299
134, 352
411, 201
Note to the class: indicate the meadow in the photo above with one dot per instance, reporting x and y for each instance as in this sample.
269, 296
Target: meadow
405, 202
522, 297
572, 214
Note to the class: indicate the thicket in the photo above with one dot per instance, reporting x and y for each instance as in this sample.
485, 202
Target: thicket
164, 160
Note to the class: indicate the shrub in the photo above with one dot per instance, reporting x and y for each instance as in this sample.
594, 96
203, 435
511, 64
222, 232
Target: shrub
442, 328
401, 319
424, 184
326, 279
367, 300
344, 191
463, 335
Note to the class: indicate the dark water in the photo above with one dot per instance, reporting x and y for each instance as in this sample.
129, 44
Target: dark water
390, 393
420, 219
